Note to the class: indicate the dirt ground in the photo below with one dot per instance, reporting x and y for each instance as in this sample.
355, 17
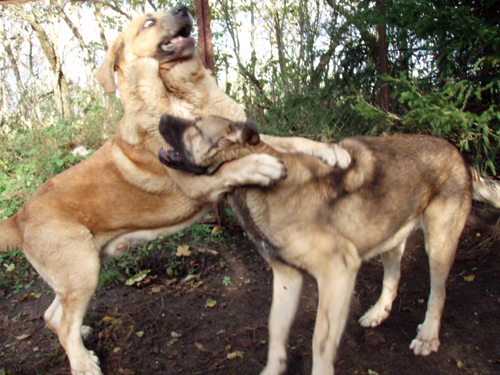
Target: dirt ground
216, 323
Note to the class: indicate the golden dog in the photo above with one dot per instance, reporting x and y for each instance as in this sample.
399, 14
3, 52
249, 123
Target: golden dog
122, 195
325, 221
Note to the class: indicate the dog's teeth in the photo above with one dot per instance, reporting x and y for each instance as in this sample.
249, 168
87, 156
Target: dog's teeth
167, 47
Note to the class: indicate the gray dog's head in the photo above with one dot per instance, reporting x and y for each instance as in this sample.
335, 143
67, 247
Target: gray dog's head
201, 146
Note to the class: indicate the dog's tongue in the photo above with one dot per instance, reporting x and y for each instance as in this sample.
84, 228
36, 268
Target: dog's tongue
176, 39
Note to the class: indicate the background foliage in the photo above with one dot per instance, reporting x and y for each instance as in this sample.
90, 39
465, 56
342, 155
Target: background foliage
301, 67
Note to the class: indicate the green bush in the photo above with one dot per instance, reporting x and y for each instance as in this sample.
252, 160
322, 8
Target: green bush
28, 157
443, 112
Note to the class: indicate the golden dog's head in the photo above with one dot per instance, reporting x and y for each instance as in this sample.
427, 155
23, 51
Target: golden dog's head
201, 146
165, 36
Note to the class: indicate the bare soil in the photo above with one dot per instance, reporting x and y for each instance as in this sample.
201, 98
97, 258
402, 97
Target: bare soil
217, 323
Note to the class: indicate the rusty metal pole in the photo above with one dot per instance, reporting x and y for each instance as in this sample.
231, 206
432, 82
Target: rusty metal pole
204, 34
205, 49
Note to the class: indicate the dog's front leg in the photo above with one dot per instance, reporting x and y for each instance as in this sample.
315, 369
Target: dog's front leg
336, 278
254, 169
330, 153
287, 284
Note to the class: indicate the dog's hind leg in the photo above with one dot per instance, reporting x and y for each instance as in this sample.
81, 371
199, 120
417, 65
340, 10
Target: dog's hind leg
74, 281
287, 285
392, 273
336, 279
444, 220
75, 296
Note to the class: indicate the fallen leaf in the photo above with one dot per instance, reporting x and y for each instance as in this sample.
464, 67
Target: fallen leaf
183, 251
103, 335
26, 297
107, 319
210, 303
235, 354
172, 342
10, 267
23, 337
156, 289
136, 279
469, 278
36, 349
116, 349
140, 333
36, 295
189, 278
175, 334
199, 346
215, 230
205, 250
460, 365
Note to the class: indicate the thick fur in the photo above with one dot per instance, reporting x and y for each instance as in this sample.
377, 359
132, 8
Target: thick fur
121, 195
326, 221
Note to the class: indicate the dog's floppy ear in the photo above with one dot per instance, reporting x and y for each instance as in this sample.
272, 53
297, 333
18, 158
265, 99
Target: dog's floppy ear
106, 72
249, 132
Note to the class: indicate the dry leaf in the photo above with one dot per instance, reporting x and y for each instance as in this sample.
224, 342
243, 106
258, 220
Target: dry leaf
156, 289
136, 279
172, 342
23, 337
26, 297
235, 354
215, 230
199, 346
469, 278
183, 251
107, 319
210, 303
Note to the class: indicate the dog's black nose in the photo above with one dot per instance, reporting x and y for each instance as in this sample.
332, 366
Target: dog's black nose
180, 10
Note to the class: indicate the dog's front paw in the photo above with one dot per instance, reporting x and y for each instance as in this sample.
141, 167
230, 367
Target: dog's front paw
262, 169
425, 343
376, 315
424, 348
88, 366
333, 155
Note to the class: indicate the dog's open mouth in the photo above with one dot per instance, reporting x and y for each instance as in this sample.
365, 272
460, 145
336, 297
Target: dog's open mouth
182, 45
169, 157
174, 160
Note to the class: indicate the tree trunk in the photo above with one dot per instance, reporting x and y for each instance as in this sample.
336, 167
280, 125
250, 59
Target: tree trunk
278, 30
385, 93
88, 56
25, 108
61, 88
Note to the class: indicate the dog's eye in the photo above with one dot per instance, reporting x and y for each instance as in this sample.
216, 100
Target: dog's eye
148, 23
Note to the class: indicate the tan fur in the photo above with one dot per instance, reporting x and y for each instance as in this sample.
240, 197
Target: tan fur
326, 221
119, 197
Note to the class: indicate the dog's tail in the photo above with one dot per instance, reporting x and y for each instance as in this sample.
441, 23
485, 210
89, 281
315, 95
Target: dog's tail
10, 237
485, 189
